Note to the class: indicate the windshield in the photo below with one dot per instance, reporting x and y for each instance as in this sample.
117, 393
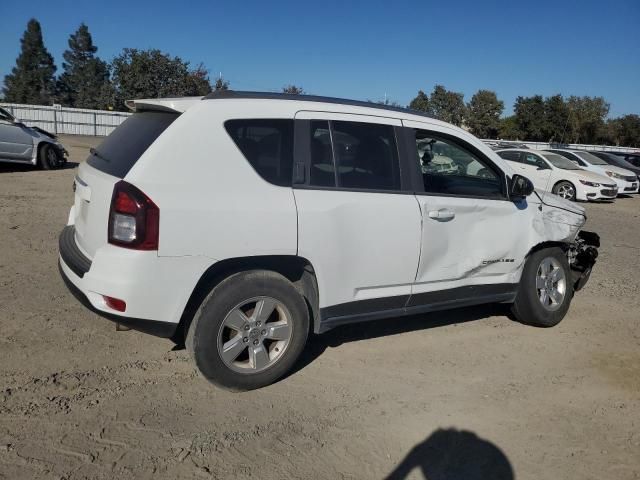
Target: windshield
559, 161
4, 115
592, 159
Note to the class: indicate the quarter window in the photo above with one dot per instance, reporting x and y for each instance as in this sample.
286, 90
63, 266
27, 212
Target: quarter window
449, 167
267, 145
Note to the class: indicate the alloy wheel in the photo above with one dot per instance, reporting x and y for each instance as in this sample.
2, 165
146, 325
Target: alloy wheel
551, 284
254, 335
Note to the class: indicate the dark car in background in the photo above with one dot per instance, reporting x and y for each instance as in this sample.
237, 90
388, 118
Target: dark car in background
632, 158
618, 161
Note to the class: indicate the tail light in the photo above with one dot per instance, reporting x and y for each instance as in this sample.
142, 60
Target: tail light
134, 219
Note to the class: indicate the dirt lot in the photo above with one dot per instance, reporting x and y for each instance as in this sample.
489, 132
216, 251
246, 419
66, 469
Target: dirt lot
467, 394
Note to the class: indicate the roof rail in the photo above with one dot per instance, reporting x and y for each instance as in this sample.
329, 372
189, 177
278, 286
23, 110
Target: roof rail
226, 94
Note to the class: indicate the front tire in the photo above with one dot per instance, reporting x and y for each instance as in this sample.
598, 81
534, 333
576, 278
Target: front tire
49, 158
545, 290
249, 331
565, 190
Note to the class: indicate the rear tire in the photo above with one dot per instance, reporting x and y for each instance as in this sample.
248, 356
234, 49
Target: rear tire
49, 158
545, 290
249, 331
565, 190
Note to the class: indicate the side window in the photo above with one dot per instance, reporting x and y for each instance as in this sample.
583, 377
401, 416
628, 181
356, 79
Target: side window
267, 145
450, 167
512, 156
534, 161
366, 156
353, 155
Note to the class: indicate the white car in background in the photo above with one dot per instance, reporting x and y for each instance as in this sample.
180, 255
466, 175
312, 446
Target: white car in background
626, 180
554, 173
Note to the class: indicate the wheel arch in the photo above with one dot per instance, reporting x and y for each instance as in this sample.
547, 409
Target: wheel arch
547, 244
297, 270
575, 189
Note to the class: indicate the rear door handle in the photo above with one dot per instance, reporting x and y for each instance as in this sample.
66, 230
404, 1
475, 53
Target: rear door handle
442, 214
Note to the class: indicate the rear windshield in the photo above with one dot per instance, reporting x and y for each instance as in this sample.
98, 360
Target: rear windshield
119, 152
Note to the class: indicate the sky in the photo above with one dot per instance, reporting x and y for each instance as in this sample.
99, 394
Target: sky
367, 50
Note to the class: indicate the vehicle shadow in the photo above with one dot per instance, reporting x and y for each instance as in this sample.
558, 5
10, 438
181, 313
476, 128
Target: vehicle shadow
356, 332
20, 167
455, 455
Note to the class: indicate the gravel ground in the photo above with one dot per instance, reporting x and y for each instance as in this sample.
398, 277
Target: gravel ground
467, 394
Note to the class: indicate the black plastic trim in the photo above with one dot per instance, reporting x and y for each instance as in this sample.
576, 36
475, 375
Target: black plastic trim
152, 327
71, 254
234, 94
354, 312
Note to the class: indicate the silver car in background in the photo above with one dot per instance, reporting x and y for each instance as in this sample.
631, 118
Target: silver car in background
29, 145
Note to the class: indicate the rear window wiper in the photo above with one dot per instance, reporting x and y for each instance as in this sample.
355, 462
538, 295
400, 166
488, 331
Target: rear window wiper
96, 153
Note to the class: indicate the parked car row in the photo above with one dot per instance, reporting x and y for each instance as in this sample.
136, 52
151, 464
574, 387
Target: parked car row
575, 174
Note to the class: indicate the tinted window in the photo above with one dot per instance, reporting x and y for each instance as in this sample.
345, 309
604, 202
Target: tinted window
119, 152
513, 156
366, 156
322, 170
450, 167
267, 145
533, 160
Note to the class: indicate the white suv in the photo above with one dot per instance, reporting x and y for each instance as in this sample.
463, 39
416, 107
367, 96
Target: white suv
242, 222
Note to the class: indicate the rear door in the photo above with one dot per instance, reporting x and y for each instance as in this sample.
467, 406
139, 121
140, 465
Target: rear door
358, 221
105, 166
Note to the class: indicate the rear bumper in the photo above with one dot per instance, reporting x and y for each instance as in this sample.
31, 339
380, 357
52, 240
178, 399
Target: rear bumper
152, 327
155, 289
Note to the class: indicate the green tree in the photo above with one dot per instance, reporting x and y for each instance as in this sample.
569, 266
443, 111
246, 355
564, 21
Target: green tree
221, 84
586, 118
483, 114
556, 114
508, 129
625, 131
153, 74
421, 103
530, 118
32, 79
292, 89
447, 106
84, 75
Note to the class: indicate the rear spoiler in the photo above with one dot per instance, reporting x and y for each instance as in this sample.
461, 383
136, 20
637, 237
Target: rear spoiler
174, 105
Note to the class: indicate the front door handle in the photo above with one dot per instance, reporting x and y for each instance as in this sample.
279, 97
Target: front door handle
442, 214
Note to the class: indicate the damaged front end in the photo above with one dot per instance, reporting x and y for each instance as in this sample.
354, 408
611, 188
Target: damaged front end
582, 255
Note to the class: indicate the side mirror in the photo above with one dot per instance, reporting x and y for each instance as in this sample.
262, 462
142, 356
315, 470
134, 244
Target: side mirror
520, 187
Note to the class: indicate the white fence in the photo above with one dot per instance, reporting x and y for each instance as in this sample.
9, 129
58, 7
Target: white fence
574, 146
72, 121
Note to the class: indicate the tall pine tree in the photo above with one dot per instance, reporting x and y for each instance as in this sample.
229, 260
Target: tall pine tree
84, 77
32, 79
